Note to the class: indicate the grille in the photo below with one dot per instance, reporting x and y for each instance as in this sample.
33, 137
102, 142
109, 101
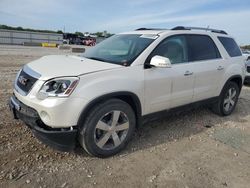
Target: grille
25, 82
248, 69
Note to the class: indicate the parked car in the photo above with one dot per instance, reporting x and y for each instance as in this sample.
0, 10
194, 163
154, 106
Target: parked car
100, 98
247, 78
247, 56
69, 38
89, 41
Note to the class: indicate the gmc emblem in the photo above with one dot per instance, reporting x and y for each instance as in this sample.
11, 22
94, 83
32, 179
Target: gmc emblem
22, 80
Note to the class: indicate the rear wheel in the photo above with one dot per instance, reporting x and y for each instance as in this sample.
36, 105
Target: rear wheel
227, 100
108, 128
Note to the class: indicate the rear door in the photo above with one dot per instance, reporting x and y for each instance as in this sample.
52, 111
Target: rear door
208, 66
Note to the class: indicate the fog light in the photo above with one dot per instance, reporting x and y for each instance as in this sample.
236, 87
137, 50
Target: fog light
45, 116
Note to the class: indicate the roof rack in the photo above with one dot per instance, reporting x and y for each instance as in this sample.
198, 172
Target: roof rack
143, 28
199, 28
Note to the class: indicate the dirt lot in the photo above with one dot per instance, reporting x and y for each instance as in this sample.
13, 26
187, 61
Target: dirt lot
192, 149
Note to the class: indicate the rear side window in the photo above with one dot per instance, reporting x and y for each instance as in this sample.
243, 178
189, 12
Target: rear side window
201, 47
231, 46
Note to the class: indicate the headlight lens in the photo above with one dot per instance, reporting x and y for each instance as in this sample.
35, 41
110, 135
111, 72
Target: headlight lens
59, 87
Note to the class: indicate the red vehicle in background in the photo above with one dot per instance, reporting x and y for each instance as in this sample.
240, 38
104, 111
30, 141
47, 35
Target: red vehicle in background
89, 41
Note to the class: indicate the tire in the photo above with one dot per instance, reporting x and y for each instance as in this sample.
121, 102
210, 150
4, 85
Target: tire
227, 102
108, 128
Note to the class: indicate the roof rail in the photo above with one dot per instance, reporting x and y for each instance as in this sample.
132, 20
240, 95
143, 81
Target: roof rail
199, 28
143, 28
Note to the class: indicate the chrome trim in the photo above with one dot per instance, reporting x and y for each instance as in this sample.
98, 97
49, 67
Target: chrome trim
31, 72
16, 86
18, 89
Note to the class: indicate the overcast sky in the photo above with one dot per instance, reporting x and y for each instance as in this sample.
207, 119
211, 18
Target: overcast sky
118, 16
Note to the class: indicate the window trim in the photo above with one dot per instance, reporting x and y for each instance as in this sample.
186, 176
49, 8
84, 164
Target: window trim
147, 61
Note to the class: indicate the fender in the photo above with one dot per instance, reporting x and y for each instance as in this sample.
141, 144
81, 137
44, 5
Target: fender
235, 77
128, 97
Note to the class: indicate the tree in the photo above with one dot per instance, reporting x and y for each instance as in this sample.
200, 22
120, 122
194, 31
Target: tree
98, 34
19, 28
247, 47
59, 32
103, 34
79, 33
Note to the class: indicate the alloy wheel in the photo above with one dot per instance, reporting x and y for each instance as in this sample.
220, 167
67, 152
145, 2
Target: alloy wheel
111, 130
230, 99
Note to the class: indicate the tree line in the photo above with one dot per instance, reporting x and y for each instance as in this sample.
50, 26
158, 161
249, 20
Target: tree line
247, 47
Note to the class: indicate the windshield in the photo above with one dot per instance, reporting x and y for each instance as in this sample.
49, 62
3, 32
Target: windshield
120, 49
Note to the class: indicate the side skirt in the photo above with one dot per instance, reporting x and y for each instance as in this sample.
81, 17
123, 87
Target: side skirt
165, 113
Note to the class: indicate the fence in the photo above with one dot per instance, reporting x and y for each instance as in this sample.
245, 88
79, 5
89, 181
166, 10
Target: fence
20, 37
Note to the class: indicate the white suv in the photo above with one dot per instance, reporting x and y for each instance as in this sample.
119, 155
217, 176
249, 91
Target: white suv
99, 98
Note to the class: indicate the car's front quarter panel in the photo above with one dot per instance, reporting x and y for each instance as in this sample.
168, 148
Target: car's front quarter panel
95, 85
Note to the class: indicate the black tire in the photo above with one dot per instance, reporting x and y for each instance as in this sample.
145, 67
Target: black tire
220, 106
90, 130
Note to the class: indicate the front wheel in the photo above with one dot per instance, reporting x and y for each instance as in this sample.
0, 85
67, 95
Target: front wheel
227, 100
108, 128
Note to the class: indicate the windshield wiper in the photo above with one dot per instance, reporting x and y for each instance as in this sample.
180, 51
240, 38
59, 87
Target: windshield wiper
106, 61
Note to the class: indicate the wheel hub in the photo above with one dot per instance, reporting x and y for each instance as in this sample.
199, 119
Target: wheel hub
111, 130
230, 99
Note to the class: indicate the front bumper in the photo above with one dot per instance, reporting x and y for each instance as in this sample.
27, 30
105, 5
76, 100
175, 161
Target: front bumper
55, 112
63, 139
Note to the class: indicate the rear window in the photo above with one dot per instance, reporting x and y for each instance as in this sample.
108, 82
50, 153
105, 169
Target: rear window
231, 46
201, 47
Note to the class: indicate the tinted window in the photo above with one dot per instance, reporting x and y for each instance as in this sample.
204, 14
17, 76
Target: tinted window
230, 45
201, 47
174, 48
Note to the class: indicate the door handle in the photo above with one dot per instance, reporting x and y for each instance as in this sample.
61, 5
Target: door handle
188, 73
220, 68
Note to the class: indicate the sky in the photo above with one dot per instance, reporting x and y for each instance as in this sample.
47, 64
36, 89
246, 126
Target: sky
117, 16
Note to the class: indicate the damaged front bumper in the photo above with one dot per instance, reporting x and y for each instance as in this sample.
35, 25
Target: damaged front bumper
63, 139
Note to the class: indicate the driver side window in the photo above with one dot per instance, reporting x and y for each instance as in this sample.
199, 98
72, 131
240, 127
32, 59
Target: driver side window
174, 48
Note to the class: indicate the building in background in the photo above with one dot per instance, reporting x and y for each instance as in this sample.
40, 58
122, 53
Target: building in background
21, 37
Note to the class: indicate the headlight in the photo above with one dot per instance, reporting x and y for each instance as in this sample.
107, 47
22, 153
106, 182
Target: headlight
59, 87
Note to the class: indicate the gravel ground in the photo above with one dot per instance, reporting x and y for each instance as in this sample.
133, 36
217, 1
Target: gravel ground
190, 149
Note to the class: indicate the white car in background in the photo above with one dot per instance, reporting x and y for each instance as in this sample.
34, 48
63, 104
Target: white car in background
246, 54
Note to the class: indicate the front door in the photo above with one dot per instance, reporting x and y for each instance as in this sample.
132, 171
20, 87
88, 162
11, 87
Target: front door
169, 87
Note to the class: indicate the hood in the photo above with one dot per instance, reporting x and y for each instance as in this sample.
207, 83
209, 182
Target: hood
66, 65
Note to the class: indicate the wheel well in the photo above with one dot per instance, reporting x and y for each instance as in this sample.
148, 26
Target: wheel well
237, 80
127, 97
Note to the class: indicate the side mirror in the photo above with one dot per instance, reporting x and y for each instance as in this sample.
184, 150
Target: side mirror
160, 62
